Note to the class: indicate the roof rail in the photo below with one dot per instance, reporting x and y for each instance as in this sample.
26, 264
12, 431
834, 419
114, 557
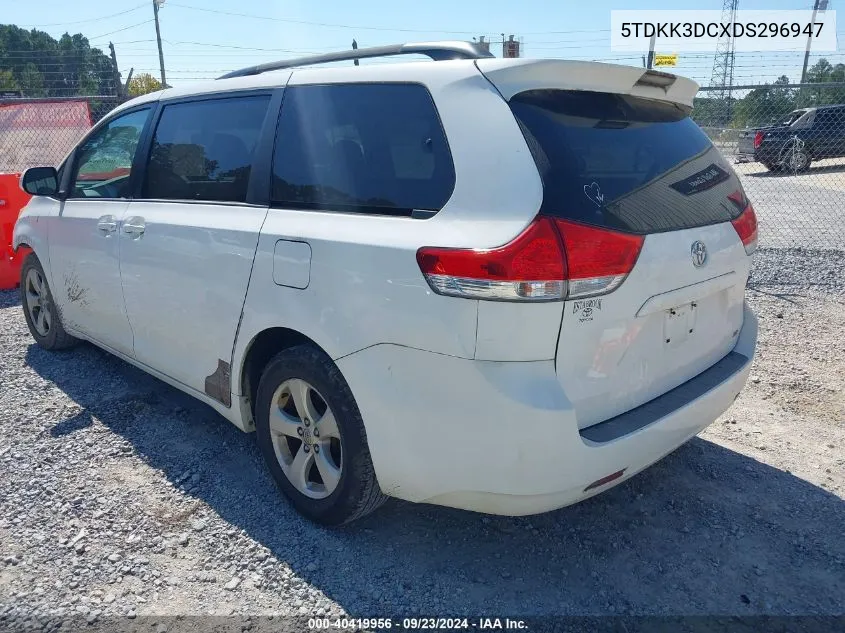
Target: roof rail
438, 51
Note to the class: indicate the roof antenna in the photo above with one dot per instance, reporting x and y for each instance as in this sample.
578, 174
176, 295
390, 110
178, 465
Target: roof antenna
355, 48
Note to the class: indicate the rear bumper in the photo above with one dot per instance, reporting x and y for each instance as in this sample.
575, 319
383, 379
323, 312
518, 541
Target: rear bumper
766, 153
502, 438
770, 152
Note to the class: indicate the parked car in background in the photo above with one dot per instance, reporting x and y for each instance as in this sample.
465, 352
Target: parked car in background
804, 136
503, 285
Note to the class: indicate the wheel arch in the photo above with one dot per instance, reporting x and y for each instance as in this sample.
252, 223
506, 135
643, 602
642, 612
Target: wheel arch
259, 351
809, 147
32, 234
25, 234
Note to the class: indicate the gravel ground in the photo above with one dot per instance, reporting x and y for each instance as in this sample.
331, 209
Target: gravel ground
119, 496
798, 209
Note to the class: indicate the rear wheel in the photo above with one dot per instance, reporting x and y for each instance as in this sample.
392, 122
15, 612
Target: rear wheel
312, 438
39, 309
796, 159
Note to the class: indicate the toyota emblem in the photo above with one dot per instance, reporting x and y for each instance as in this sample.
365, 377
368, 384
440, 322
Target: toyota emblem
698, 251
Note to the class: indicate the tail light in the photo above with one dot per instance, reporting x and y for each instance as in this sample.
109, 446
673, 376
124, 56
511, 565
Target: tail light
746, 228
758, 139
551, 260
599, 260
530, 268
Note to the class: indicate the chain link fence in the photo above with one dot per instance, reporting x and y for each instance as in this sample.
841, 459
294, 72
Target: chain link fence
41, 131
788, 145
787, 142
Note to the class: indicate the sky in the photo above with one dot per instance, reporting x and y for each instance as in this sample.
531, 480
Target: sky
202, 39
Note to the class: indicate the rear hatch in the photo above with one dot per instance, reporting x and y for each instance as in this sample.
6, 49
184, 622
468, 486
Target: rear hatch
656, 232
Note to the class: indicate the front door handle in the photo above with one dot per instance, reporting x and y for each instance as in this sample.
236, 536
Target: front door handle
107, 225
134, 226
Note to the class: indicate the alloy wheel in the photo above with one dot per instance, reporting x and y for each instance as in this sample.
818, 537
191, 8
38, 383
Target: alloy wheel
37, 302
797, 160
306, 438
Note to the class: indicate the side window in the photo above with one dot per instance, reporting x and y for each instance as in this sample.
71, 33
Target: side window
365, 148
104, 161
829, 120
203, 150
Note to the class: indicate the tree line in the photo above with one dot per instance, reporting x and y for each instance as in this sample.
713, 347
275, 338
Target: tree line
34, 64
772, 102
37, 65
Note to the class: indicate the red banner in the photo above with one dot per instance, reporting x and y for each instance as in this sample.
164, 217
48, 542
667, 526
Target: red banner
45, 114
34, 134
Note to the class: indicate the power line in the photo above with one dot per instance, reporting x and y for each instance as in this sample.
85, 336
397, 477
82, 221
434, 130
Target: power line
246, 48
359, 27
125, 28
310, 23
97, 19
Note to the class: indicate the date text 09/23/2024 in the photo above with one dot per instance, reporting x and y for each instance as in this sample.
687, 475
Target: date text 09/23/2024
414, 624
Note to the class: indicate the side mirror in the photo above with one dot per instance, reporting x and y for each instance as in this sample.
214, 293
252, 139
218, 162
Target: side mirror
40, 181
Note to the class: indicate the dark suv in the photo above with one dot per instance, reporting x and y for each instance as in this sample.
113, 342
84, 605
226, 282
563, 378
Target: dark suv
804, 136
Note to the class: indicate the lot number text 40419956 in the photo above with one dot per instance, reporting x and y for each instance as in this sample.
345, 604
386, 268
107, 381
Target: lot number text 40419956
417, 624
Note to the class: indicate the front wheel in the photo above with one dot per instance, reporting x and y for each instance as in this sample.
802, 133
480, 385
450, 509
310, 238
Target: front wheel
39, 309
312, 438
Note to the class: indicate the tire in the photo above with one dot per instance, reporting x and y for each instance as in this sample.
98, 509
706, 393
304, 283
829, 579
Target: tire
40, 311
341, 450
797, 161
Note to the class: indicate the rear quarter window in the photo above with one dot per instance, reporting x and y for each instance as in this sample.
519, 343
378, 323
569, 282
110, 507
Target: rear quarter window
364, 148
625, 163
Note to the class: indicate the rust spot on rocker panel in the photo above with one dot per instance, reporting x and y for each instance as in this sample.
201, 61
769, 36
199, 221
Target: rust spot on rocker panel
217, 384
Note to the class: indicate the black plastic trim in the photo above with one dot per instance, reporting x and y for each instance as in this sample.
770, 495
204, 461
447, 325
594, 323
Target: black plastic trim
139, 165
219, 203
261, 174
668, 403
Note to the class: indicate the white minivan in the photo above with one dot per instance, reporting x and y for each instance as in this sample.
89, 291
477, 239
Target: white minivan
503, 285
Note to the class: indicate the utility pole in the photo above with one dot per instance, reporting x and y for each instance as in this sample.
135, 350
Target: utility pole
156, 4
128, 81
651, 43
118, 86
820, 5
355, 48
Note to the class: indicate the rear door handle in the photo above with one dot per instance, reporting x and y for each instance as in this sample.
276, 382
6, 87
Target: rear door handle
134, 226
107, 225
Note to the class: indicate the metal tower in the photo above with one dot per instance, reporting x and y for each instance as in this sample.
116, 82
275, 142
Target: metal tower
723, 63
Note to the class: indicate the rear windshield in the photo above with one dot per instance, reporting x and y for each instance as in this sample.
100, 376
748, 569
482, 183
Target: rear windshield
794, 116
624, 162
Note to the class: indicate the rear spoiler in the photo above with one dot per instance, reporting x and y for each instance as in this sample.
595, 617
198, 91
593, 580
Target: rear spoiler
512, 76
